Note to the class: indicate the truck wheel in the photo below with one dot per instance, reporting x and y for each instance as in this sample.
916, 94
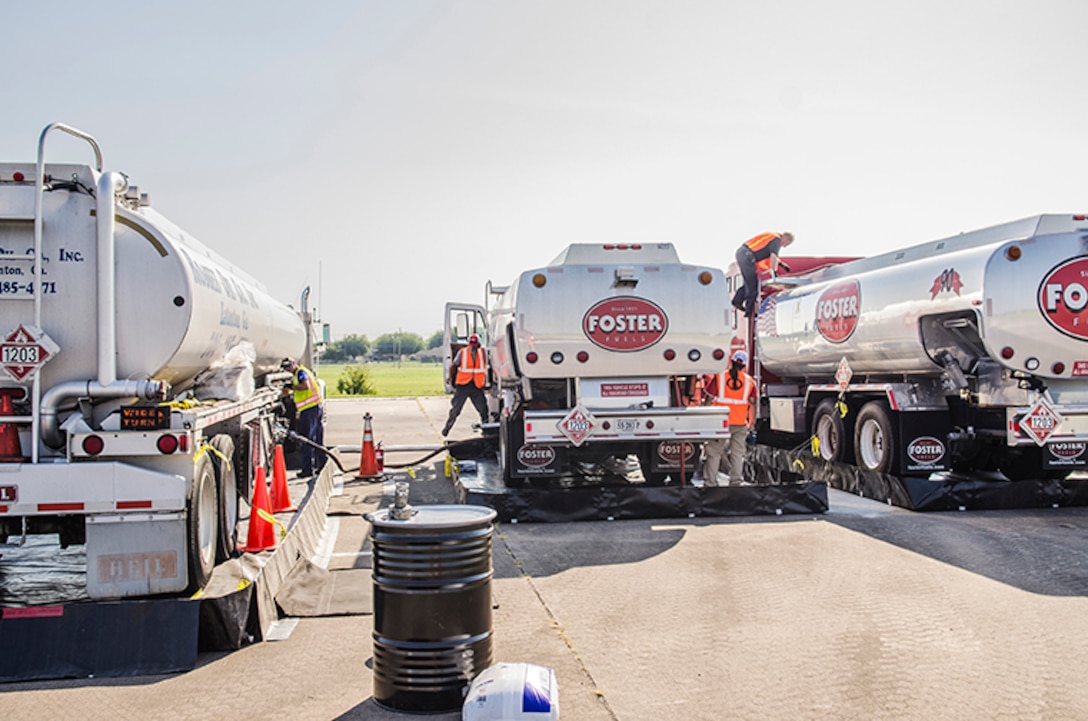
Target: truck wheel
226, 481
202, 524
830, 430
874, 438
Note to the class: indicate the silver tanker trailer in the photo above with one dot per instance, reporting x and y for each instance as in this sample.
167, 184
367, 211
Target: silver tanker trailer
129, 353
965, 353
593, 362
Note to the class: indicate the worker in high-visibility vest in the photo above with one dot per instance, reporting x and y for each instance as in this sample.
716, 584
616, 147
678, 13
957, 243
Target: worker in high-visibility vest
309, 400
468, 376
755, 256
735, 389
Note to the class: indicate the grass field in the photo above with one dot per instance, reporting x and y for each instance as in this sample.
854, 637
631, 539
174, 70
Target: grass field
390, 379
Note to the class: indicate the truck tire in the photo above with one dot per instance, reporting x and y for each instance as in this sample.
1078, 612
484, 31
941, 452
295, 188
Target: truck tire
875, 438
202, 524
226, 482
830, 430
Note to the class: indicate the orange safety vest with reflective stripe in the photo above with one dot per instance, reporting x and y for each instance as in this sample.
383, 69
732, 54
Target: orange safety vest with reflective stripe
472, 369
306, 397
757, 244
736, 398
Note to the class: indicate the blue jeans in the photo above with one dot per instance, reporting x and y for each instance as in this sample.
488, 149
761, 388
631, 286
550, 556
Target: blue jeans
311, 424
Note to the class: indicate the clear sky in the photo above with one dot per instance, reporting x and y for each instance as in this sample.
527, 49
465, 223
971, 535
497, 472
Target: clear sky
397, 154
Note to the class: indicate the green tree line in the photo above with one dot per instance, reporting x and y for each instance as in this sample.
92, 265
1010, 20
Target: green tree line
388, 346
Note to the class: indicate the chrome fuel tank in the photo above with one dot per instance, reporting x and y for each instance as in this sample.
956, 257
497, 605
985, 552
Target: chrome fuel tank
1015, 293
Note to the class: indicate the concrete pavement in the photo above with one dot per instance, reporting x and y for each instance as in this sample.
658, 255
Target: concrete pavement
865, 612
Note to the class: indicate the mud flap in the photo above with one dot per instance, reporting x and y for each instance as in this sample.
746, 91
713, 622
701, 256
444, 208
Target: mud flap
102, 639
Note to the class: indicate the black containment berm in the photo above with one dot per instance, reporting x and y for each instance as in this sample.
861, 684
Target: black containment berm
432, 603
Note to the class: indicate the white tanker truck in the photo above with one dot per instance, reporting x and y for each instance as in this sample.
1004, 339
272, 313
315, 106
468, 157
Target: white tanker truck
967, 353
593, 362
111, 316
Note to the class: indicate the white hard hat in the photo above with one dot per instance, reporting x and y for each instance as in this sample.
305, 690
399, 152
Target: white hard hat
740, 356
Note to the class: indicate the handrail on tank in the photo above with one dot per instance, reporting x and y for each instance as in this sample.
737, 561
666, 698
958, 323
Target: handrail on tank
39, 189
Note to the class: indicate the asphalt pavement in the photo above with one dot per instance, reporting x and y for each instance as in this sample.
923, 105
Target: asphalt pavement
864, 612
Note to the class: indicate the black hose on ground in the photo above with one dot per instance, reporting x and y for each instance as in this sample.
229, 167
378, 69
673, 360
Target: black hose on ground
451, 445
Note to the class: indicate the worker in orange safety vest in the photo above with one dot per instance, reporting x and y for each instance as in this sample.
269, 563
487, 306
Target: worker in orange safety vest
468, 376
737, 390
755, 256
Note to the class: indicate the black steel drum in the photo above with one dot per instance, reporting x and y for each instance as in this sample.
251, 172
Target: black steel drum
432, 605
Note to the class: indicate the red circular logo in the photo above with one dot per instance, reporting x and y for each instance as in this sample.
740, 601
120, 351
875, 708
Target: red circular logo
625, 324
925, 450
536, 456
837, 311
1063, 297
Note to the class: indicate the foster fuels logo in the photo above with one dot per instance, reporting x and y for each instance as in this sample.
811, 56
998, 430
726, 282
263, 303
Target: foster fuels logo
837, 311
536, 456
625, 323
925, 451
1063, 297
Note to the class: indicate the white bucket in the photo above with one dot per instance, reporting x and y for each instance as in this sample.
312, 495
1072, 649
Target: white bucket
512, 692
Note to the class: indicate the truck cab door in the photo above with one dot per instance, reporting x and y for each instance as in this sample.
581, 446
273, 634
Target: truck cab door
462, 320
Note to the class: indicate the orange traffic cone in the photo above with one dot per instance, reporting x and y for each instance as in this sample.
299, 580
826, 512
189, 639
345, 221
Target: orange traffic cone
281, 496
10, 449
262, 534
368, 463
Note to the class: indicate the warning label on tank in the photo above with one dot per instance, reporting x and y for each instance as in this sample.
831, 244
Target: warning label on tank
837, 311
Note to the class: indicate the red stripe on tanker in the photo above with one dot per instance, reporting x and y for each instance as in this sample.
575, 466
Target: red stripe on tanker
625, 324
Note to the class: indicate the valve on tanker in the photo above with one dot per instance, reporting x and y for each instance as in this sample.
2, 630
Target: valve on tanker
953, 377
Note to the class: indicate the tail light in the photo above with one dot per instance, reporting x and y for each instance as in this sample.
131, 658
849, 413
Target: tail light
93, 445
168, 444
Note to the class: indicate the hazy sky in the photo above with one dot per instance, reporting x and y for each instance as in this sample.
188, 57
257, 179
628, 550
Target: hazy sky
397, 154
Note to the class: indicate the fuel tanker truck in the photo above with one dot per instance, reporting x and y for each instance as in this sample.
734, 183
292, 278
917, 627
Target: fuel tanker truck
594, 361
967, 353
130, 410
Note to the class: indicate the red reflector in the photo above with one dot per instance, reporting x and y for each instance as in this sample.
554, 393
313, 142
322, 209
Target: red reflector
610, 247
649, 424
606, 425
33, 612
93, 445
582, 356
3, 509
55, 507
531, 357
719, 354
1058, 368
183, 443
670, 354
636, 246
18, 177
122, 505
1080, 217
1007, 352
167, 444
